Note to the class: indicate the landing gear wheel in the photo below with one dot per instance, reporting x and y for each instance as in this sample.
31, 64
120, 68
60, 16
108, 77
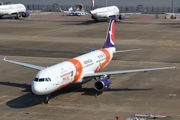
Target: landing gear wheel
46, 101
96, 20
17, 16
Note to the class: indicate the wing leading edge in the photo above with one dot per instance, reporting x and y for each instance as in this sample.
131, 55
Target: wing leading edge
24, 64
125, 71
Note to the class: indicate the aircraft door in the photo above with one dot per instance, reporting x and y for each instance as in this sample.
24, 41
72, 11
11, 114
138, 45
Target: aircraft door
72, 74
56, 77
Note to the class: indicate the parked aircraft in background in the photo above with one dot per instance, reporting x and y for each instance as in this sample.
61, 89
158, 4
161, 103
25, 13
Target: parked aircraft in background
76, 69
105, 12
78, 12
14, 9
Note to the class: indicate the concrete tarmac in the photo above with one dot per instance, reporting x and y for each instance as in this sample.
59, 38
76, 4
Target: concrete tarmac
49, 38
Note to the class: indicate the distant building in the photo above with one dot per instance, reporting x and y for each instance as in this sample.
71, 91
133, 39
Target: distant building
145, 3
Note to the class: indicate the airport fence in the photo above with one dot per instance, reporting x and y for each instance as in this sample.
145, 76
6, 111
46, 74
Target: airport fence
123, 9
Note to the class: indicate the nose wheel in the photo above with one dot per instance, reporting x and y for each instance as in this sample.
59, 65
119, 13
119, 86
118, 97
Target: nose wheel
46, 101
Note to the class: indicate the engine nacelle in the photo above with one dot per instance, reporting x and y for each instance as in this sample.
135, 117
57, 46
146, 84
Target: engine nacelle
102, 84
122, 16
25, 14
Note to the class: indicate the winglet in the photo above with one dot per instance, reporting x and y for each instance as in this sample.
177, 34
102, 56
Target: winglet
4, 59
175, 66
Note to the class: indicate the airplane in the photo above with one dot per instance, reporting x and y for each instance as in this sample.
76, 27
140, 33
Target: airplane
105, 12
75, 70
14, 9
67, 12
78, 12
151, 116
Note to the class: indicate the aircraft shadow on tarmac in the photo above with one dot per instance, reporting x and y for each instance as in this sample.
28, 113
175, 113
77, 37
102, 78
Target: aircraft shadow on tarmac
10, 18
90, 22
29, 99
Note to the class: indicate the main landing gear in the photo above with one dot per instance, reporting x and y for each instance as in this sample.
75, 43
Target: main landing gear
46, 101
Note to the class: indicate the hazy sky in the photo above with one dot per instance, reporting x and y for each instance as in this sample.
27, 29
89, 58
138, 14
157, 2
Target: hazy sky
149, 3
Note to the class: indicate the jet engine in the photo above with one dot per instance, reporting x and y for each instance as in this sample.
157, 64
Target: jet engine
102, 84
25, 14
122, 16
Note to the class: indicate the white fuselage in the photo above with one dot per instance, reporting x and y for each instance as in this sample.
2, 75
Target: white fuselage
71, 71
105, 12
12, 9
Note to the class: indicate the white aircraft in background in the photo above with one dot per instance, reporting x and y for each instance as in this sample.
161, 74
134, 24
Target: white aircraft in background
105, 12
78, 12
13, 9
74, 70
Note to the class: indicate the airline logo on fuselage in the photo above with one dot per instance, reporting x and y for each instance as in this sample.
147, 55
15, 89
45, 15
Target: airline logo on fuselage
88, 61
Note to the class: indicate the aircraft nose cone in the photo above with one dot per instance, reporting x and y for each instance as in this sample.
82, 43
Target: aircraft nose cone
92, 12
37, 89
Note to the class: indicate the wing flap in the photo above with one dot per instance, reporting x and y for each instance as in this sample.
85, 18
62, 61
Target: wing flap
125, 71
24, 64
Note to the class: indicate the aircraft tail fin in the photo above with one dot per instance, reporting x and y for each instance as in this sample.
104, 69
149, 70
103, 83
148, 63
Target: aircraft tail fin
109, 42
93, 5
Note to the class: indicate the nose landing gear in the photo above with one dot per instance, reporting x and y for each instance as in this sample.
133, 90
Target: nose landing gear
46, 101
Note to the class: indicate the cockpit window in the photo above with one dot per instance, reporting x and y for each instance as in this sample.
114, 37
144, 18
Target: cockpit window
36, 79
49, 79
42, 79
46, 79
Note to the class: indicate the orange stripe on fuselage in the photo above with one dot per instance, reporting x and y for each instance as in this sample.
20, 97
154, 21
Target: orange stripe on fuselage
103, 64
77, 64
62, 86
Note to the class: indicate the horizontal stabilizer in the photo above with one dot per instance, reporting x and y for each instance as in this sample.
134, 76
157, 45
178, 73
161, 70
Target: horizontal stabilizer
24, 64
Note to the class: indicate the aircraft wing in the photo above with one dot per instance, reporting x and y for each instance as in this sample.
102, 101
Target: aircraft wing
133, 13
127, 50
89, 48
67, 12
119, 51
160, 116
24, 64
125, 71
151, 116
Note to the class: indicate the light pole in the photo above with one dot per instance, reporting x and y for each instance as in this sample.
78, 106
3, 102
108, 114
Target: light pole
106, 3
172, 6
